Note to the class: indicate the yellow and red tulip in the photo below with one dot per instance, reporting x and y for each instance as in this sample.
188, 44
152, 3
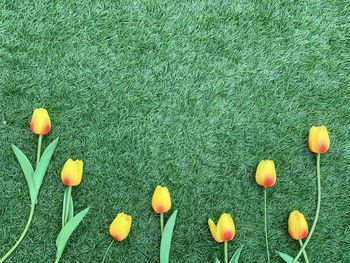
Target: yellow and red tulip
224, 230
319, 141
266, 173
120, 227
161, 201
72, 172
40, 123
297, 225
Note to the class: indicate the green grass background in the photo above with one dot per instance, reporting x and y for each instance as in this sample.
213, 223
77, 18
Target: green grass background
188, 94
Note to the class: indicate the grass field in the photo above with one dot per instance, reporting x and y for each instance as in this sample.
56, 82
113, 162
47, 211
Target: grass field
188, 94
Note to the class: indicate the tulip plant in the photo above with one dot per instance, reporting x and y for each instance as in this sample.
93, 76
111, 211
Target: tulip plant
119, 229
224, 231
161, 203
266, 176
40, 124
71, 175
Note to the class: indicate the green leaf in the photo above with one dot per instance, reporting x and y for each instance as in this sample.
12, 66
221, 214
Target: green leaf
71, 208
67, 230
165, 243
217, 261
43, 164
28, 172
286, 257
236, 256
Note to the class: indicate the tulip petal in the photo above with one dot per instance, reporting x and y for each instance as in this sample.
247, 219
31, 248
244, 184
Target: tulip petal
226, 227
213, 231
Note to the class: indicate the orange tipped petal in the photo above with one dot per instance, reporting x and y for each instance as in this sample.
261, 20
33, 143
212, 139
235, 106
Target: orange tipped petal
226, 227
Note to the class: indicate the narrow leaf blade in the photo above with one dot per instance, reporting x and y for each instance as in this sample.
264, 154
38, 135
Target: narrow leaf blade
67, 231
165, 243
236, 256
43, 164
286, 257
28, 172
217, 261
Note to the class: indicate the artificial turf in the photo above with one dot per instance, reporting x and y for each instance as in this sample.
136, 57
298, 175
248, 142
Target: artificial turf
187, 94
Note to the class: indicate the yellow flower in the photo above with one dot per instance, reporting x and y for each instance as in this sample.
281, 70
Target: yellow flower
266, 173
297, 225
40, 122
319, 141
120, 227
225, 229
72, 172
161, 201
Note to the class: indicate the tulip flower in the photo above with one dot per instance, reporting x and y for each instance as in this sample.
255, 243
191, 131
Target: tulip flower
72, 172
297, 226
298, 229
319, 141
266, 176
40, 123
161, 203
119, 229
71, 175
266, 173
224, 231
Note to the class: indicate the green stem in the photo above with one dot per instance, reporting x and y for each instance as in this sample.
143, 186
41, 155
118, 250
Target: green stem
304, 252
22, 235
161, 223
38, 154
225, 252
56, 260
68, 199
104, 257
266, 239
39, 150
317, 209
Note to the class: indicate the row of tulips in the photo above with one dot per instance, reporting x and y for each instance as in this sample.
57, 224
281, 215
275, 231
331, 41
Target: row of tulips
222, 232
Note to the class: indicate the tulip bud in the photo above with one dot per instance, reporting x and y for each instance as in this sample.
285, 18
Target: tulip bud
120, 227
297, 225
161, 201
319, 139
40, 123
72, 172
266, 173
225, 229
